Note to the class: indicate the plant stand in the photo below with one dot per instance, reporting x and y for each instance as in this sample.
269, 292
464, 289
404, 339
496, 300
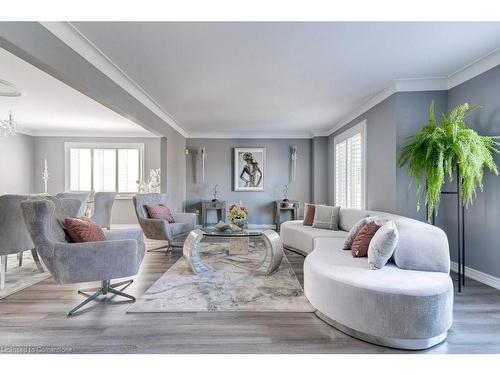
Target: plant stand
460, 232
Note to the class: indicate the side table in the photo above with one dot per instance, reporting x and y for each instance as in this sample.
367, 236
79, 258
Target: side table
292, 206
218, 206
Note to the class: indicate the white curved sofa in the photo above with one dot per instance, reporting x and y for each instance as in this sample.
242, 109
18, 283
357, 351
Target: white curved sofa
407, 304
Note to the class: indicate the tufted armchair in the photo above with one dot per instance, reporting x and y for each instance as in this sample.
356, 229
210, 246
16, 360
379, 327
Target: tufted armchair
157, 229
119, 256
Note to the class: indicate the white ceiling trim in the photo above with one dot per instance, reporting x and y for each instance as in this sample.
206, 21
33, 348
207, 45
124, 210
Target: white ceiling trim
257, 135
462, 75
69, 35
80, 134
474, 69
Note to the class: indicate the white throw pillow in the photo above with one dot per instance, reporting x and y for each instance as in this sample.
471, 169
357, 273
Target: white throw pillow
382, 245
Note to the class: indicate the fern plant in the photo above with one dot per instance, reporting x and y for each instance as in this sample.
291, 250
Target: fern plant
436, 152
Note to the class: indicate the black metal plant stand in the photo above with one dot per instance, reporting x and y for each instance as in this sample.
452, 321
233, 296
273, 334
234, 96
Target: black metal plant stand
460, 231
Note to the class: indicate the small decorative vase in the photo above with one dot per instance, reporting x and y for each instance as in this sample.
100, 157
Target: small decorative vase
242, 223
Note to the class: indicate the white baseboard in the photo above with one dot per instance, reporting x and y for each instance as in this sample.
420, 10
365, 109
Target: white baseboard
478, 276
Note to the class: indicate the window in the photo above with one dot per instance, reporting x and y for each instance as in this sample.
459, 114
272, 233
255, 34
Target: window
103, 167
349, 164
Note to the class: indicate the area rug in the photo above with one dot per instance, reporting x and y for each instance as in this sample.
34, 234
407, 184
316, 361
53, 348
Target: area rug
19, 278
232, 286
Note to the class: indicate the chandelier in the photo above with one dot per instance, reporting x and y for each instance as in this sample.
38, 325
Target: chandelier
7, 127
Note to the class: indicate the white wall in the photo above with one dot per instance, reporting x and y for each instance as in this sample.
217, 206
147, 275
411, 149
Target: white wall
16, 164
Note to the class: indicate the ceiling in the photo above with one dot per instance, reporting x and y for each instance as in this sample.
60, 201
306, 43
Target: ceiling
248, 78
49, 107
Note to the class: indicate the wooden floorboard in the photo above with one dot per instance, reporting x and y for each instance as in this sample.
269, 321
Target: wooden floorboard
35, 320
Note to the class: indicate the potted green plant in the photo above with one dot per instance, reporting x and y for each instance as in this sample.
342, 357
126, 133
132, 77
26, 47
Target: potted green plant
438, 150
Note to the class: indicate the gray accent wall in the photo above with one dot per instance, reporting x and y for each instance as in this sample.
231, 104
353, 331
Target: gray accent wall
16, 164
380, 156
482, 218
320, 166
52, 148
219, 170
411, 116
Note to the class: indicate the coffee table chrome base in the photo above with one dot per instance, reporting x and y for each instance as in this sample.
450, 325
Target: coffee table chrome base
190, 251
272, 260
274, 252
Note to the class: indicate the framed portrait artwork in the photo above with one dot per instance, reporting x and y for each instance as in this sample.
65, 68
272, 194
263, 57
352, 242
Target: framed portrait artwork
249, 169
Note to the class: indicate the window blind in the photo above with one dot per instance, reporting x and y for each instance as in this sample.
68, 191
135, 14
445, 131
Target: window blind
104, 169
349, 171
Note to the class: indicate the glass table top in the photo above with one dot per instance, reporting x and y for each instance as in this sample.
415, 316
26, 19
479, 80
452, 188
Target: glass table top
211, 231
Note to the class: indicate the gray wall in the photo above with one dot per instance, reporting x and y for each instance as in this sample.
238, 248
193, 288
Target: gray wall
482, 218
173, 160
218, 170
320, 168
411, 116
52, 148
380, 152
16, 164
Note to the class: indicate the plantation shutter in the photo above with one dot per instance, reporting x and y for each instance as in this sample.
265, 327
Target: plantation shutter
128, 170
104, 170
349, 170
80, 169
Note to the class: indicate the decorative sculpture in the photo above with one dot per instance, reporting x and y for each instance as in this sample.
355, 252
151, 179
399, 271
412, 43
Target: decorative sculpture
153, 184
214, 191
45, 176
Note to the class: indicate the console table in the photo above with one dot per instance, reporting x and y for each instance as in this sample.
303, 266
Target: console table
218, 206
292, 206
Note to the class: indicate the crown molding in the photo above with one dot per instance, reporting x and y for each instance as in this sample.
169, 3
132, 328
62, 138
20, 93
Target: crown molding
462, 75
474, 69
255, 135
83, 134
74, 39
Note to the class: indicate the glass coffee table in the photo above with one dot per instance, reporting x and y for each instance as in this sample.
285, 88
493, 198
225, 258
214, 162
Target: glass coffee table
238, 244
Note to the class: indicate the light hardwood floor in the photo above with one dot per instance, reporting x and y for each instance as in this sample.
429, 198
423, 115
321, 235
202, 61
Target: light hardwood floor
34, 320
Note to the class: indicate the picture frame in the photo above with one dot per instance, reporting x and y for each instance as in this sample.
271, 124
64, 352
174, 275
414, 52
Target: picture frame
249, 168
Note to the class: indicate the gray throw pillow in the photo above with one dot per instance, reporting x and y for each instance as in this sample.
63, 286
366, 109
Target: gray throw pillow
326, 217
353, 232
382, 245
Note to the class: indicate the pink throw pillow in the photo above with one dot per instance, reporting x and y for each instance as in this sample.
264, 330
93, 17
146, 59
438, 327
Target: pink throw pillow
359, 247
83, 230
159, 211
309, 215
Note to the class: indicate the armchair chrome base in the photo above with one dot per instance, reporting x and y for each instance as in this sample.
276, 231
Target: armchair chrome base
105, 288
169, 247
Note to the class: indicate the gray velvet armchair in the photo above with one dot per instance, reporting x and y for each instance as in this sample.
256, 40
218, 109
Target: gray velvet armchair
82, 196
120, 256
157, 229
103, 208
14, 237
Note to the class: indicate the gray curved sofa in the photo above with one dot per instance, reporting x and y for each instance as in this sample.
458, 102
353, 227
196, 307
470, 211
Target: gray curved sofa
408, 304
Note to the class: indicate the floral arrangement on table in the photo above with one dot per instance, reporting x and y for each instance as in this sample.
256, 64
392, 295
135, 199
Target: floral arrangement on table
238, 214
